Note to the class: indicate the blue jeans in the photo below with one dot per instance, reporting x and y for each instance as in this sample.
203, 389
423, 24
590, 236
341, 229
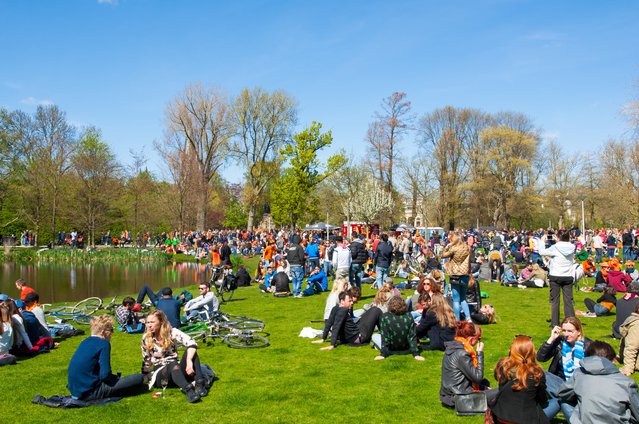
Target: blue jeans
297, 275
625, 253
355, 275
598, 254
611, 253
146, 291
459, 286
535, 258
553, 383
380, 273
328, 268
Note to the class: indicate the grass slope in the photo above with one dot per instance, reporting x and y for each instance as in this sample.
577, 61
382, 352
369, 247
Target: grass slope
291, 381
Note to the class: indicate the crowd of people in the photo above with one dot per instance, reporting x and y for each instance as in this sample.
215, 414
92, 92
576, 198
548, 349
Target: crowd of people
442, 311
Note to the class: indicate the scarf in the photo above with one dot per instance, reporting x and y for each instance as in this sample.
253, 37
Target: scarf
473, 355
571, 357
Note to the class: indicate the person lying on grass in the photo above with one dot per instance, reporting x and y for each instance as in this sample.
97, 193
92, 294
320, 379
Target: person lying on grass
396, 332
344, 329
90, 375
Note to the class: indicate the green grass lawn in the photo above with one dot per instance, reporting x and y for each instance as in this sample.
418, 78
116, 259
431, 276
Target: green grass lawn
290, 381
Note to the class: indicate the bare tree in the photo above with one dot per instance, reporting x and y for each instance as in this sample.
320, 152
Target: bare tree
377, 145
264, 122
201, 120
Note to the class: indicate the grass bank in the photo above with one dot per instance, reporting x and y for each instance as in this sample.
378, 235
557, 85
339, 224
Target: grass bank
291, 381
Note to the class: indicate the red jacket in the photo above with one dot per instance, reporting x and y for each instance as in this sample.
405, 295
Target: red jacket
619, 280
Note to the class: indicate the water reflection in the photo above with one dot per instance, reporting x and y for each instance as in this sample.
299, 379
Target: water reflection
67, 282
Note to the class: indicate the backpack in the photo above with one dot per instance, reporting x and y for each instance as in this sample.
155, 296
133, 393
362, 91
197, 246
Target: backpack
208, 374
230, 281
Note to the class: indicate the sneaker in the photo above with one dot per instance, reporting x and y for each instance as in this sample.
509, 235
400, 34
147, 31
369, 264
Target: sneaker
591, 315
298, 296
200, 388
191, 395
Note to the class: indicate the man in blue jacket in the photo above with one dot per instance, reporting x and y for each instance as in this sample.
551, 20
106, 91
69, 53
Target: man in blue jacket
89, 376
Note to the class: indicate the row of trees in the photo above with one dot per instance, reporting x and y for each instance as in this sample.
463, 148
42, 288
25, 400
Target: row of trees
472, 168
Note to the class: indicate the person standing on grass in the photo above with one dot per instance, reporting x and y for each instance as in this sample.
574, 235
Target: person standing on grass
90, 376
295, 258
458, 254
341, 259
561, 275
382, 259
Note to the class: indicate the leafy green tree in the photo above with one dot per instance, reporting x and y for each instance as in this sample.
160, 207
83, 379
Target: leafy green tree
264, 122
293, 194
97, 169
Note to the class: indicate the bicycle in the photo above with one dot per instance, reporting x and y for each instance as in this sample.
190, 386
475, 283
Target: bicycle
224, 283
234, 331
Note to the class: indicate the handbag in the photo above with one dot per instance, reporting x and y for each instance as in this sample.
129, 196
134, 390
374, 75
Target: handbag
471, 404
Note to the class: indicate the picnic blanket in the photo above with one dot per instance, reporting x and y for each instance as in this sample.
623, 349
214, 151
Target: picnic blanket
66, 402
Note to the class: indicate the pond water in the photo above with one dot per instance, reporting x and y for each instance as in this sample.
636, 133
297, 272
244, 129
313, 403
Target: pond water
64, 282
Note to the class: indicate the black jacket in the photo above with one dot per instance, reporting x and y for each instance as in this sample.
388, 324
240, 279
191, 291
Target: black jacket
243, 278
295, 255
341, 325
458, 372
383, 254
359, 254
281, 282
547, 351
438, 335
522, 406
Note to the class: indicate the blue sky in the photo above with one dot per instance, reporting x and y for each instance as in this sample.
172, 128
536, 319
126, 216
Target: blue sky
569, 65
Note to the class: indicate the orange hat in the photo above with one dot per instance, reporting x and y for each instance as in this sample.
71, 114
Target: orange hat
630, 264
605, 265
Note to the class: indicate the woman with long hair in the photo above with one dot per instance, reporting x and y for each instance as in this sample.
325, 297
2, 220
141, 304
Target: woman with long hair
160, 357
463, 364
458, 265
522, 385
438, 323
6, 336
339, 285
566, 347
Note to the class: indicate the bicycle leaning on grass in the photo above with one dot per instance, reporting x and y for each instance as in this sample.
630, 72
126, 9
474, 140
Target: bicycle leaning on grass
235, 331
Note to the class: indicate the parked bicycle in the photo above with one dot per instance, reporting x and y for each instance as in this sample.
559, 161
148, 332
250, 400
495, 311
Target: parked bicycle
224, 282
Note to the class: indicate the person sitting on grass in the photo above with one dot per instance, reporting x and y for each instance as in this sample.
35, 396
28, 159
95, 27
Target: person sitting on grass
629, 348
24, 288
522, 385
537, 279
316, 282
462, 364
160, 358
39, 336
343, 328
281, 284
625, 307
127, 319
90, 376
6, 336
510, 276
438, 323
396, 332
32, 304
339, 285
601, 393
566, 352
21, 343
205, 304
603, 306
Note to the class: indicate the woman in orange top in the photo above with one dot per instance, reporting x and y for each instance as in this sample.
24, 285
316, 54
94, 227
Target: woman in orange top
24, 289
215, 256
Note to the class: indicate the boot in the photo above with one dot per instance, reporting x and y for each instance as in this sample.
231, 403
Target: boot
191, 394
200, 388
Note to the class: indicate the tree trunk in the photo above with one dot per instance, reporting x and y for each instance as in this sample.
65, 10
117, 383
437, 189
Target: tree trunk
251, 218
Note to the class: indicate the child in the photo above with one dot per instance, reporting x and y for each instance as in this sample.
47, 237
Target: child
604, 304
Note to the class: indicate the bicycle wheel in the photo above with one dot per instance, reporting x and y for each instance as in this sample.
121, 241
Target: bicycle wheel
243, 323
82, 319
245, 340
87, 306
59, 309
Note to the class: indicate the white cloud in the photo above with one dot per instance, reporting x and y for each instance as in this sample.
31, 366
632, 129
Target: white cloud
32, 101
